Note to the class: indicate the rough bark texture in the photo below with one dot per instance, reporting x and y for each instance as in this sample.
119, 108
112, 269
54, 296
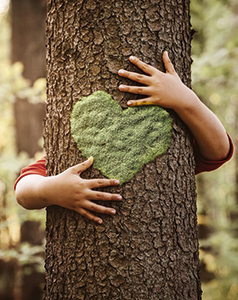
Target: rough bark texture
28, 47
149, 249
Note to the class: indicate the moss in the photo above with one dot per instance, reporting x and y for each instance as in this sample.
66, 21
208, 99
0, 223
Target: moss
121, 142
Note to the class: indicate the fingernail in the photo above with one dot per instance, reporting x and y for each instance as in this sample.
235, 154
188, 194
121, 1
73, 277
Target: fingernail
90, 159
132, 57
113, 211
121, 72
100, 221
121, 87
119, 197
166, 53
129, 103
117, 181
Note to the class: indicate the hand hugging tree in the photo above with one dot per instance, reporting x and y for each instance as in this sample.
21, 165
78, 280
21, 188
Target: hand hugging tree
149, 248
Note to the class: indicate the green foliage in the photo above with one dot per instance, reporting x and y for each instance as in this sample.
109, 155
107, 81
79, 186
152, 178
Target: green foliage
12, 86
215, 78
121, 142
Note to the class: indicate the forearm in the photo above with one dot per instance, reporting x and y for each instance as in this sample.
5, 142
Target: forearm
67, 190
29, 192
168, 91
205, 127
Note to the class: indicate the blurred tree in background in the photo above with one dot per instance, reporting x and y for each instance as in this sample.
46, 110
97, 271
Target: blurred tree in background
215, 80
28, 47
21, 266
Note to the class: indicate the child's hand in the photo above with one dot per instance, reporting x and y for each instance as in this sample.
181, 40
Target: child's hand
68, 190
168, 91
163, 89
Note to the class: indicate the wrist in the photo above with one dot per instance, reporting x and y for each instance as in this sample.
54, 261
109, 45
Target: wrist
44, 189
188, 105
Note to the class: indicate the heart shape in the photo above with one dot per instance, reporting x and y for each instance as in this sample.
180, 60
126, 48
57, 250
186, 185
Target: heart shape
121, 142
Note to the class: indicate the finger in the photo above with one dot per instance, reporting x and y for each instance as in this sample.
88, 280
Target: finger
140, 90
83, 166
144, 79
96, 195
140, 102
96, 183
89, 215
143, 66
167, 63
90, 206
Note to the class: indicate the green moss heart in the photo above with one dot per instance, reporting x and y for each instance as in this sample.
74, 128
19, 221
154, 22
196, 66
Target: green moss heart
121, 142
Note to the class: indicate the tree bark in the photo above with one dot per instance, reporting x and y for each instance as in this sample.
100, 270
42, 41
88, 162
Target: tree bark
149, 249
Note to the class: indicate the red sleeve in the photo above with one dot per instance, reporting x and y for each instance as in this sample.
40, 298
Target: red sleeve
37, 168
203, 165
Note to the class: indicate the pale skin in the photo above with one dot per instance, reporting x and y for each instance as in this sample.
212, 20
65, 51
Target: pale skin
68, 190
168, 91
71, 191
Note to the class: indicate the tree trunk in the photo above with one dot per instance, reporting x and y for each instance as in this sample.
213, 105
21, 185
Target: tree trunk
28, 125
28, 47
149, 249
28, 36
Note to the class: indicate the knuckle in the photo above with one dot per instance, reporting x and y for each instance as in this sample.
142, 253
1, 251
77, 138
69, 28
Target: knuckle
139, 77
158, 85
144, 66
83, 213
80, 188
100, 181
139, 90
83, 164
92, 207
99, 195
102, 210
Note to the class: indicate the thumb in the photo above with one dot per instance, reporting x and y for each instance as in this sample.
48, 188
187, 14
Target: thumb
167, 63
83, 166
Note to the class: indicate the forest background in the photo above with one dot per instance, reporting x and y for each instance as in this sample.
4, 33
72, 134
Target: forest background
214, 79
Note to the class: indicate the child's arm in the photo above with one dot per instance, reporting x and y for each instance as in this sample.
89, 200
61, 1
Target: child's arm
168, 91
68, 190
